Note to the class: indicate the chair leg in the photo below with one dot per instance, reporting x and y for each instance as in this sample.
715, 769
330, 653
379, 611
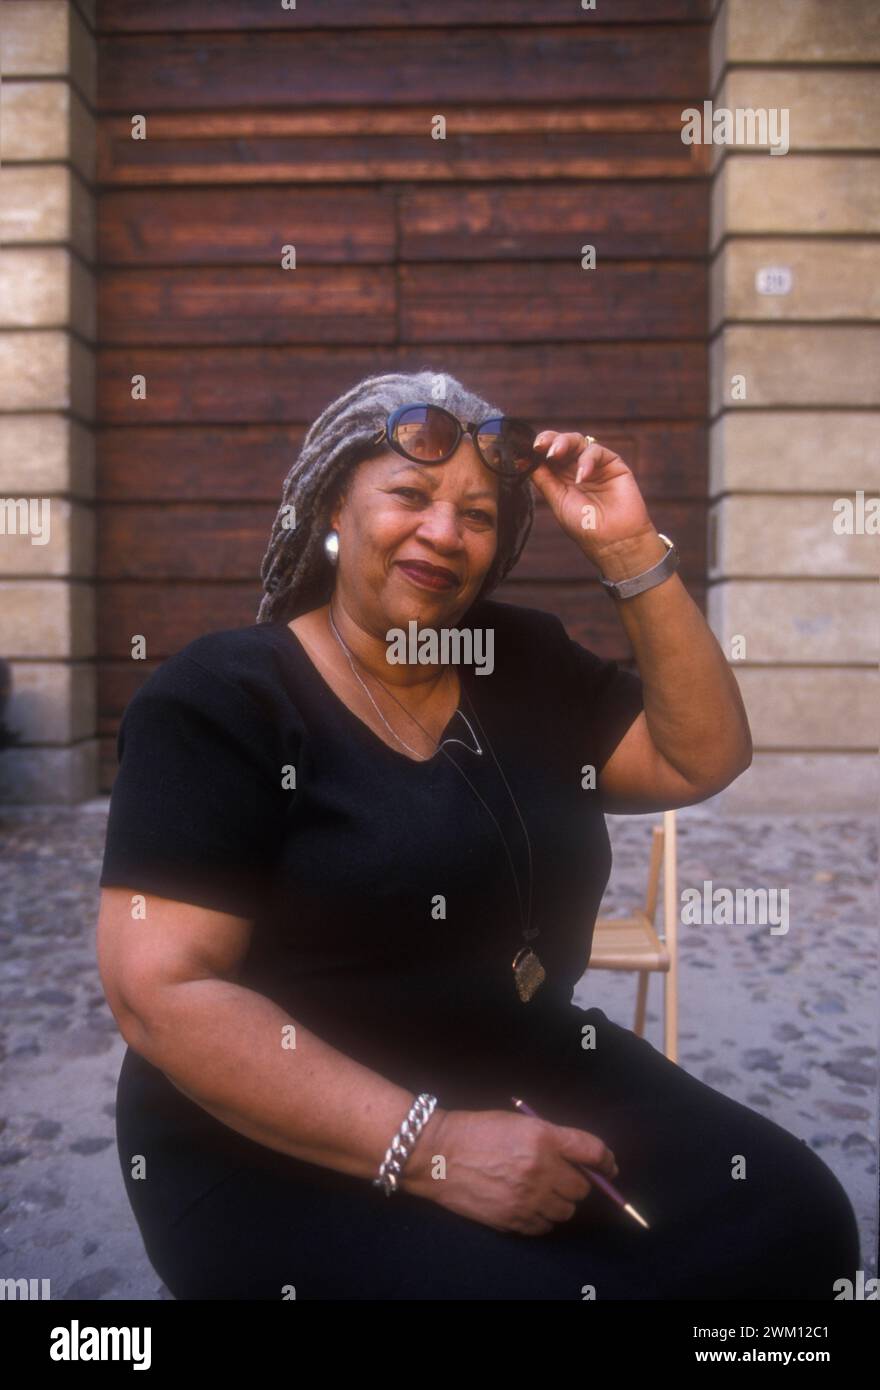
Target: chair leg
641, 1004
671, 919
670, 1018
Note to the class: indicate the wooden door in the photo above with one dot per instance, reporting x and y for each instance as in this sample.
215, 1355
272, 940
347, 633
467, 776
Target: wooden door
268, 127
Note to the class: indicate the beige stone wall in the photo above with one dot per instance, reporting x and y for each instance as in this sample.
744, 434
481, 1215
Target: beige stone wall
47, 397
803, 598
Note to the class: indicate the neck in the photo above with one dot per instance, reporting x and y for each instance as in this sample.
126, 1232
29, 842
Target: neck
369, 652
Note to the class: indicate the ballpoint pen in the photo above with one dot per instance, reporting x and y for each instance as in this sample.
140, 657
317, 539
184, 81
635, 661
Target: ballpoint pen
601, 1182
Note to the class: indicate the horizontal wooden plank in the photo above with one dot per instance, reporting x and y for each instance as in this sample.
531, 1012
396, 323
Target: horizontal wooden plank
236, 226
276, 385
534, 300
243, 16
168, 616
189, 541
397, 122
540, 118
621, 218
181, 462
253, 304
239, 226
196, 542
512, 301
398, 66
248, 463
177, 158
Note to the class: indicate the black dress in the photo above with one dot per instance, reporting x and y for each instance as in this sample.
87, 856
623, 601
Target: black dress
387, 913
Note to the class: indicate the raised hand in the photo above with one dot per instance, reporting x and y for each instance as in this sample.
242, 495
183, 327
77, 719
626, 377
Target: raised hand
590, 490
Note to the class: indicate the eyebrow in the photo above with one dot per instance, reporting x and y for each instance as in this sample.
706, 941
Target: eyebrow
434, 481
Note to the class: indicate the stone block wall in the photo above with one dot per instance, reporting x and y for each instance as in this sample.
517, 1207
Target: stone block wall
47, 397
794, 396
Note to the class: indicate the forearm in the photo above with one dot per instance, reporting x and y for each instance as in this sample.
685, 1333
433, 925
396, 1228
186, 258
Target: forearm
224, 1046
693, 707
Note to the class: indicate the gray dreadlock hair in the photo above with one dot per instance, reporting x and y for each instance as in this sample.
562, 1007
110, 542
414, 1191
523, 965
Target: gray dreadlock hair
295, 571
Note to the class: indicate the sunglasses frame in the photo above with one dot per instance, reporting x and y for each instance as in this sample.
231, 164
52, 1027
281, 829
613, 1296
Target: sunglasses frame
470, 428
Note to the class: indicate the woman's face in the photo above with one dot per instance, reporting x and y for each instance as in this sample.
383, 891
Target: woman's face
400, 522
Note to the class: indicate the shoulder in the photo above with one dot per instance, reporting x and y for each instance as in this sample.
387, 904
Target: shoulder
533, 647
233, 676
520, 632
246, 658
199, 800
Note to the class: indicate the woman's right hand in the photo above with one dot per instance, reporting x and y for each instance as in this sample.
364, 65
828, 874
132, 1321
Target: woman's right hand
507, 1170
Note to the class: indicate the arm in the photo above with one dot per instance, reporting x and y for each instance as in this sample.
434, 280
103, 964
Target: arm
170, 983
693, 738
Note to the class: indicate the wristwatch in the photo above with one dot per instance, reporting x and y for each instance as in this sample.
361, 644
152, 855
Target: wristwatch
638, 583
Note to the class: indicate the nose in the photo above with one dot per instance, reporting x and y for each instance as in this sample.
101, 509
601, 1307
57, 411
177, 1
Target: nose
440, 525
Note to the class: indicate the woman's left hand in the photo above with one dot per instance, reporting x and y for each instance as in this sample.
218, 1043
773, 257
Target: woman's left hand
591, 492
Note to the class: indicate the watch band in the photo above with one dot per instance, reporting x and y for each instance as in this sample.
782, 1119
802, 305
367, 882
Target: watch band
638, 583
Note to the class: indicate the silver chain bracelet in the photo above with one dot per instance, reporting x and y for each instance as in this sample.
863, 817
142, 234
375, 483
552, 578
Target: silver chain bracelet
403, 1143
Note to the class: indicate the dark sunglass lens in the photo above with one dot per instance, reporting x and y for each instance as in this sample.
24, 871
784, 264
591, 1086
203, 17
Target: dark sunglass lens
425, 432
506, 445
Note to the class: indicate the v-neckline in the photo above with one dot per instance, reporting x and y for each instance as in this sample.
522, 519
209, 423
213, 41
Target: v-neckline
285, 627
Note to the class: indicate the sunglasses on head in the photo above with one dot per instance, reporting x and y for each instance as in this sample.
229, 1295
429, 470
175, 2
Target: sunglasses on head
430, 434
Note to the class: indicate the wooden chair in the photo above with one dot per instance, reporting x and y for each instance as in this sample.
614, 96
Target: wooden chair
631, 943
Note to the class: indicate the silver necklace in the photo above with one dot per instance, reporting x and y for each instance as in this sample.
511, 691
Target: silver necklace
345, 648
528, 972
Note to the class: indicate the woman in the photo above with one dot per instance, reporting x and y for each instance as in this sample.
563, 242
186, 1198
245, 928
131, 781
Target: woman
342, 892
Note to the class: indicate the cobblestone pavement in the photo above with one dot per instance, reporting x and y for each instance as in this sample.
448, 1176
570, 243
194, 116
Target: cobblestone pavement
786, 1023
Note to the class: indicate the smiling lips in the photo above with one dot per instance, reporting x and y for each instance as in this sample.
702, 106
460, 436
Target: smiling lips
428, 576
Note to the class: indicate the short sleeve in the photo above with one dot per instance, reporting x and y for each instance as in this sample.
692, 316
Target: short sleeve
198, 806
610, 698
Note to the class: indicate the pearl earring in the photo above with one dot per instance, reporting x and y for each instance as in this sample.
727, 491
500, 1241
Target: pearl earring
331, 546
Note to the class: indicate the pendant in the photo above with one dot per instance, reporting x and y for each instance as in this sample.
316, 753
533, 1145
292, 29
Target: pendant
528, 973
